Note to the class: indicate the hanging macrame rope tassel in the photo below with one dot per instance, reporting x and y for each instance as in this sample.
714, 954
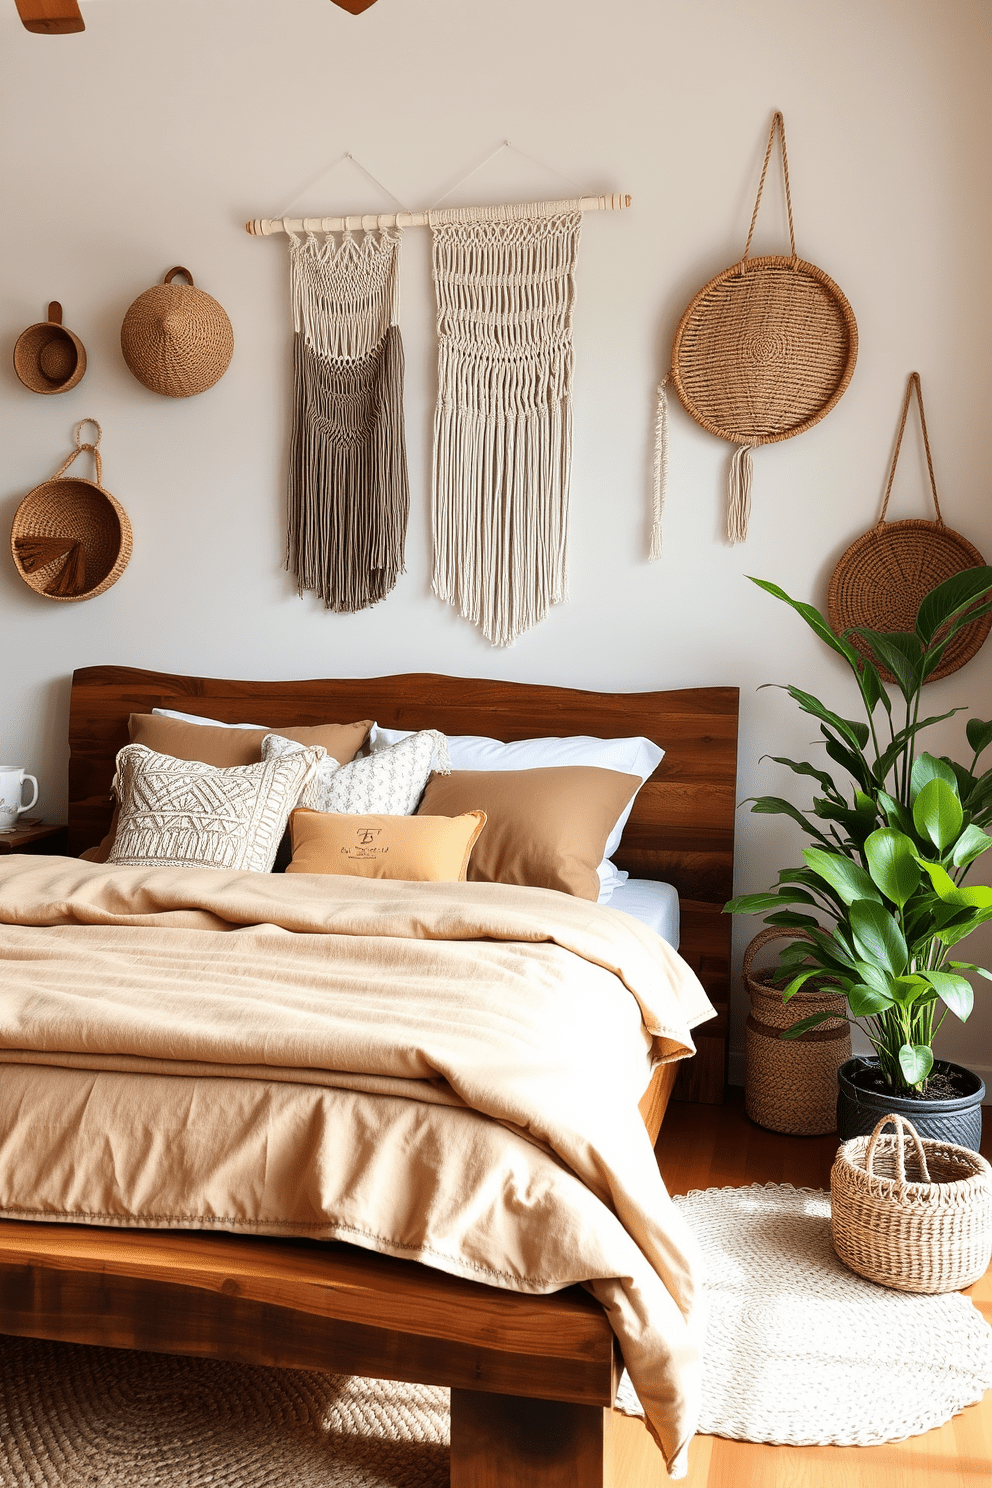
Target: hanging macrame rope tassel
739, 494
660, 482
348, 486
505, 282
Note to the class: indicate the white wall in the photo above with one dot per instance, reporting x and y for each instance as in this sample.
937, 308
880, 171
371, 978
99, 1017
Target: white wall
148, 140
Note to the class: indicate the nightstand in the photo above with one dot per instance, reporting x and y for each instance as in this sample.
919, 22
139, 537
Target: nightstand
39, 837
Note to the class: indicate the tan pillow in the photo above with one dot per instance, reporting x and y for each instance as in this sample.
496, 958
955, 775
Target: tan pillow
225, 747
546, 828
424, 849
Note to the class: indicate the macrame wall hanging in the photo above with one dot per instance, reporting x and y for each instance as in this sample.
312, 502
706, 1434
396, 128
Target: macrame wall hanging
763, 352
505, 283
348, 488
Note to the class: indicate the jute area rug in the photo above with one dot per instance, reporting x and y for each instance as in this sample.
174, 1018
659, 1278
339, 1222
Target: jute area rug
799, 1351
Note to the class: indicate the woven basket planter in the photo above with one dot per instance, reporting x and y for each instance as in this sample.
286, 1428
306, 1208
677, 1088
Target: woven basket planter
917, 1220
790, 1085
70, 539
884, 575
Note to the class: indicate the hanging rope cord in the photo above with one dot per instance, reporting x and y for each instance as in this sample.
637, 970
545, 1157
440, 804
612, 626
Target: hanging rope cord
741, 465
914, 382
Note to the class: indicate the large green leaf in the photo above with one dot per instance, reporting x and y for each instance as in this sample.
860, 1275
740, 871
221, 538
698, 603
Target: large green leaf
803, 767
970, 966
852, 760
865, 1001
950, 599
790, 919
979, 734
849, 879
901, 653
937, 812
970, 845
776, 806
940, 643
892, 864
916, 1062
856, 733
796, 1030
956, 991
927, 767
899, 816
978, 897
908, 989
813, 618
877, 936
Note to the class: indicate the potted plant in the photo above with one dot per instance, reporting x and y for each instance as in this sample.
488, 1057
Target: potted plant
880, 895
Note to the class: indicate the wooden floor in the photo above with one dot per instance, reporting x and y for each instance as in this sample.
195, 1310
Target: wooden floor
713, 1146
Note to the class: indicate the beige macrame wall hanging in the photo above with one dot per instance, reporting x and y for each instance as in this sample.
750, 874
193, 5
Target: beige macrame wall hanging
348, 489
762, 353
505, 283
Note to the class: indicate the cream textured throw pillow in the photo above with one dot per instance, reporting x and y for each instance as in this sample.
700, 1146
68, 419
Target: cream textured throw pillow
182, 813
388, 783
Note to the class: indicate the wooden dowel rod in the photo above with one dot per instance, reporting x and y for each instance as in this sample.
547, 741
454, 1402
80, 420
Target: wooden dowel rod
263, 227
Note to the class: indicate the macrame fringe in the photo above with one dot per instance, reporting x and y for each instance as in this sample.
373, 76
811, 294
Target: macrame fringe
739, 494
503, 424
660, 483
348, 485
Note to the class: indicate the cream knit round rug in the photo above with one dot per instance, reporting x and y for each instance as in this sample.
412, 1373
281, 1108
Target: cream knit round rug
800, 1351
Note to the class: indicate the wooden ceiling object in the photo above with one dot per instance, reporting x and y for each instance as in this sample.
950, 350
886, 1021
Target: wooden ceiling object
50, 17
354, 7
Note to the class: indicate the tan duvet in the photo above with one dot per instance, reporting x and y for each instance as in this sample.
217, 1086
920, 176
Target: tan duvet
444, 1072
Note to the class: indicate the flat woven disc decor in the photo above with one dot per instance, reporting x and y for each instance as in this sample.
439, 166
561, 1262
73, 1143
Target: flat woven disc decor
70, 538
881, 579
762, 353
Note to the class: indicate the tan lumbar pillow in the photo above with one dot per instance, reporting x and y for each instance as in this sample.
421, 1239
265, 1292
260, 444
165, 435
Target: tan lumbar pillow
423, 849
546, 827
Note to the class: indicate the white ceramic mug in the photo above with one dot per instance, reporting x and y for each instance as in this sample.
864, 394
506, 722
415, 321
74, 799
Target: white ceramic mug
12, 779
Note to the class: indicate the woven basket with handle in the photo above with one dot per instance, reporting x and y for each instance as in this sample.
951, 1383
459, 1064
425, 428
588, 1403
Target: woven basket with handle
918, 1220
71, 539
884, 575
790, 1085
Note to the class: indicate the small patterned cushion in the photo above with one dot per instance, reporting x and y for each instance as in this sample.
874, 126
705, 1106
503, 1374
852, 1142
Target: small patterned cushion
183, 813
389, 782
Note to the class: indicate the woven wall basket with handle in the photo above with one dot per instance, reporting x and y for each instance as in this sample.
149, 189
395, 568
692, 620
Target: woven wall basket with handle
177, 339
881, 580
762, 353
70, 538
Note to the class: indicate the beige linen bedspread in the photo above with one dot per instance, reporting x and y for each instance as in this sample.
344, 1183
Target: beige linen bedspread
444, 1072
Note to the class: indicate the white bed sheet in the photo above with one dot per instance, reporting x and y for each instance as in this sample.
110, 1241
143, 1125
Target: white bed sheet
654, 904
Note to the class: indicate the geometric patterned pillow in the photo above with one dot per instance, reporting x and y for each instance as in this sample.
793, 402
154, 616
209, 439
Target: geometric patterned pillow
182, 813
387, 783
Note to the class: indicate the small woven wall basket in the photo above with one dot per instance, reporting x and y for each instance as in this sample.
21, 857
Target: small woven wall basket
71, 539
885, 574
790, 1085
918, 1220
48, 357
177, 339
763, 352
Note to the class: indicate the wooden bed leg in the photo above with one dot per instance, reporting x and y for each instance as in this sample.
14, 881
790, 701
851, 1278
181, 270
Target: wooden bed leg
510, 1441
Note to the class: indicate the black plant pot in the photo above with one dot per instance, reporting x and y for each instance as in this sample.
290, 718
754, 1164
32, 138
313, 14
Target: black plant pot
959, 1120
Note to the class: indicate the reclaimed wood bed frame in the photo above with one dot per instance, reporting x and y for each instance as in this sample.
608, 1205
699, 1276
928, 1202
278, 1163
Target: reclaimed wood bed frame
532, 1379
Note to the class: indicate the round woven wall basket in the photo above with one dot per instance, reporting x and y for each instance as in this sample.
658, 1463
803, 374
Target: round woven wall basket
48, 357
765, 350
177, 339
71, 539
886, 573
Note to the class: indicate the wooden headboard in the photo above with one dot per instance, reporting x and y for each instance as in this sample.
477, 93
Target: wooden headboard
681, 828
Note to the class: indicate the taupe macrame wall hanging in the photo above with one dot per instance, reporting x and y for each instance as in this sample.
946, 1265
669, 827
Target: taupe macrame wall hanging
885, 574
762, 353
505, 283
348, 489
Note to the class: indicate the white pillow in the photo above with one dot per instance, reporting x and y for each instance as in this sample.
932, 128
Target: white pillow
210, 722
633, 756
183, 813
389, 782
